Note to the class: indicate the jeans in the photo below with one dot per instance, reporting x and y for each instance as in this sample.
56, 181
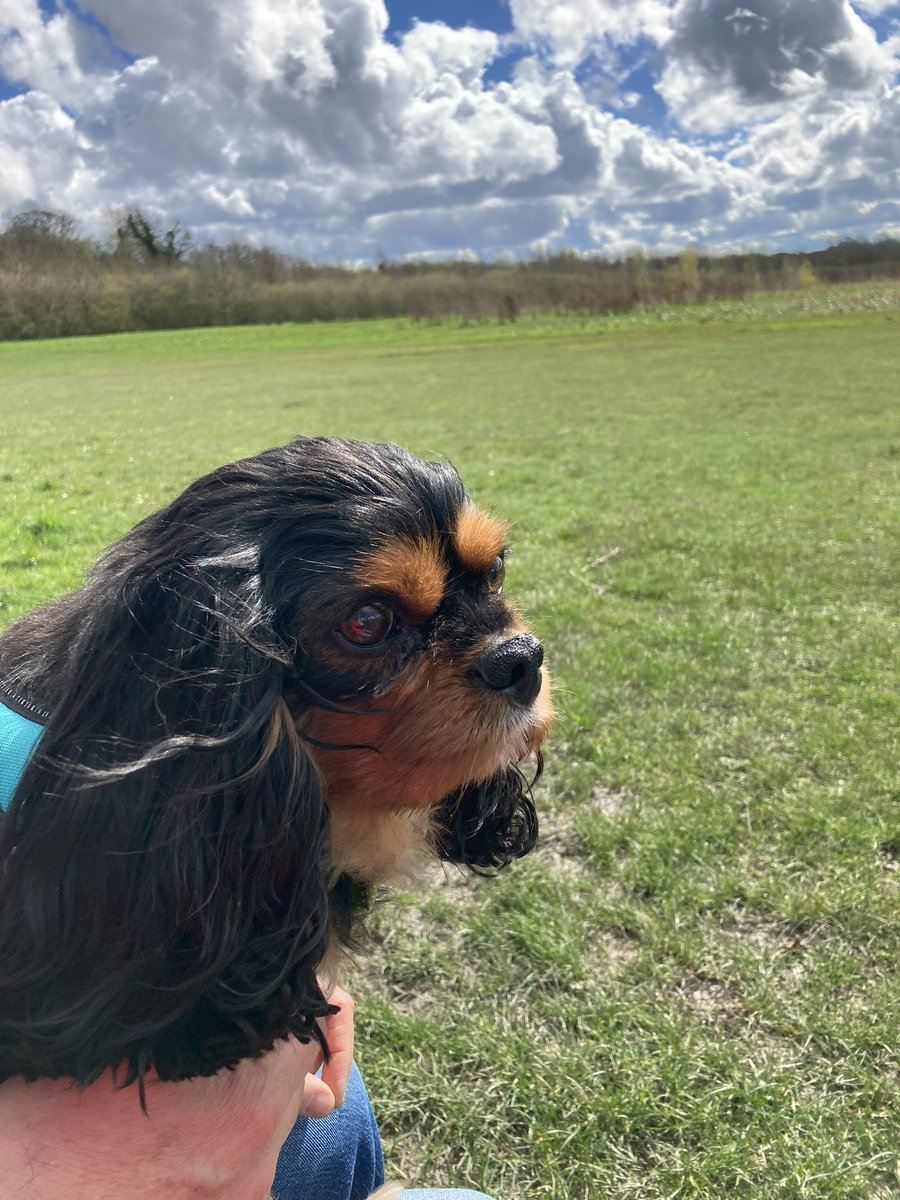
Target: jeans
339, 1157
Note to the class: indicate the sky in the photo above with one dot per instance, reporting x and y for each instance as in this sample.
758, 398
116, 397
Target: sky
343, 130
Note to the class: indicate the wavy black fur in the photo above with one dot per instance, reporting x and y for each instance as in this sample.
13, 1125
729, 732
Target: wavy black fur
486, 825
163, 895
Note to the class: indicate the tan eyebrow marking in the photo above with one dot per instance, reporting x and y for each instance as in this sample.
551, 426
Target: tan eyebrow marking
478, 539
413, 571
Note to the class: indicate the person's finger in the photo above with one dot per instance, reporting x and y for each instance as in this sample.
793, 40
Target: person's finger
318, 1098
339, 1032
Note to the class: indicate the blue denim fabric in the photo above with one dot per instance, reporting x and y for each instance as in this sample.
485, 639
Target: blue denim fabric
337, 1157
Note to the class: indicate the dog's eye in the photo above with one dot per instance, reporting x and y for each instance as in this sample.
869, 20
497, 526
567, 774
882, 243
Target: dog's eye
369, 626
496, 575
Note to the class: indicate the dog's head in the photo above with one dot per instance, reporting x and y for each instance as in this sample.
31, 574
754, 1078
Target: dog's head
267, 693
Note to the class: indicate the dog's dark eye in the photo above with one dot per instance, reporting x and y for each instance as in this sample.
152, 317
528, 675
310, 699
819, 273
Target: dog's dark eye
369, 626
496, 575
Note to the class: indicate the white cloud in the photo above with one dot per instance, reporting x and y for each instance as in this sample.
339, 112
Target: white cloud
876, 7
235, 204
43, 154
323, 85
300, 123
830, 144
43, 54
757, 58
575, 29
240, 45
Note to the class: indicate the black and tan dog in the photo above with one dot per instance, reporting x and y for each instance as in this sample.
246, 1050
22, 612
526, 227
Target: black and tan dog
267, 697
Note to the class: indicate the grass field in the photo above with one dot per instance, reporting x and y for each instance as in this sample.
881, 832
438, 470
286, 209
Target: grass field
691, 989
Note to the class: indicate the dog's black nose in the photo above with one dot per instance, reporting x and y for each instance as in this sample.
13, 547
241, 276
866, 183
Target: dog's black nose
514, 668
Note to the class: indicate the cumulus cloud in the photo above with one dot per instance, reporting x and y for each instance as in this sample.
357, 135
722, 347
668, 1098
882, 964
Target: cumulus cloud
764, 53
876, 7
302, 123
831, 145
573, 30
321, 78
44, 54
42, 151
239, 44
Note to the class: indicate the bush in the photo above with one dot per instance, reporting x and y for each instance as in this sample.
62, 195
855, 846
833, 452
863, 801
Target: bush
56, 283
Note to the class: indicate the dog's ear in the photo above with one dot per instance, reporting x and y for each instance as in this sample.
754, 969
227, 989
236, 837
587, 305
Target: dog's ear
162, 900
486, 825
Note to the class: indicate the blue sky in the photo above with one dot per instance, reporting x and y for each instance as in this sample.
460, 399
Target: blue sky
345, 129
482, 14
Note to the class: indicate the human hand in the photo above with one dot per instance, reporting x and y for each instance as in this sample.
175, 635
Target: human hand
215, 1138
322, 1095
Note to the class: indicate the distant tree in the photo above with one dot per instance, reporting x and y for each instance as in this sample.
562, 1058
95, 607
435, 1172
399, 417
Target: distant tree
681, 277
258, 262
146, 240
42, 236
637, 275
43, 222
689, 266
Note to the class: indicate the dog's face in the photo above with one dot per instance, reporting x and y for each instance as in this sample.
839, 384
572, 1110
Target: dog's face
442, 679
298, 674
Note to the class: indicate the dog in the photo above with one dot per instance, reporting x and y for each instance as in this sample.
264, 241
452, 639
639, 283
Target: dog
268, 698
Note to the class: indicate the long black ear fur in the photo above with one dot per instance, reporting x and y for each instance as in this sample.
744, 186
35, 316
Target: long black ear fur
486, 825
162, 903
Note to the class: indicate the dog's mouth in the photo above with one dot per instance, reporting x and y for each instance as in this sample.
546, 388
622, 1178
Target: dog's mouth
434, 733
520, 732
430, 767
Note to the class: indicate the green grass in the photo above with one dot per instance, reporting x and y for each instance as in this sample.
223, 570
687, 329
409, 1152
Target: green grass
691, 989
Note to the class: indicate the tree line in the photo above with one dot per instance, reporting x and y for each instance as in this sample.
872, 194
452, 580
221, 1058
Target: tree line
151, 274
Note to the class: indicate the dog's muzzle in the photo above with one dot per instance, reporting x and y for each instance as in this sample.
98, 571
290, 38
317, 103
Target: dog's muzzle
513, 667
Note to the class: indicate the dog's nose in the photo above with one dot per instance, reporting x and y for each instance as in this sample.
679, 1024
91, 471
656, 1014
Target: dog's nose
514, 668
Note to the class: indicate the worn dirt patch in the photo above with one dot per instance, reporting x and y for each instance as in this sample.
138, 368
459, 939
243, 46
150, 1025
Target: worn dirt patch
609, 949
768, 939
609, 803
561, 846
711, 1000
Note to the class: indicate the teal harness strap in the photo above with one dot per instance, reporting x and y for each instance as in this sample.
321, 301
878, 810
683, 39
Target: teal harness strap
18, 738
